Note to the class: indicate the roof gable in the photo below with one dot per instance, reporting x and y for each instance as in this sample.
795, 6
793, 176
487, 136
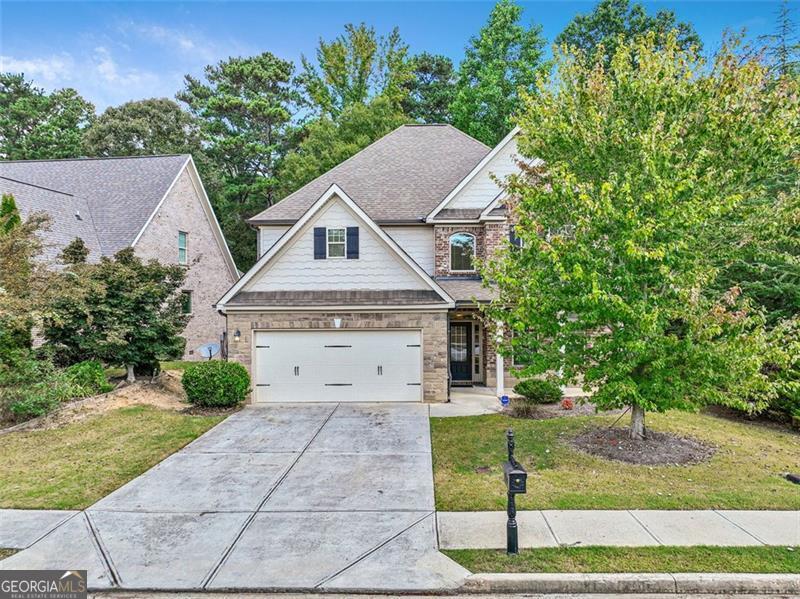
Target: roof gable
399, 177
358, 275
478, 188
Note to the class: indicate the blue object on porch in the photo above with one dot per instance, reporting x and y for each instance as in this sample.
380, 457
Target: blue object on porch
504, 400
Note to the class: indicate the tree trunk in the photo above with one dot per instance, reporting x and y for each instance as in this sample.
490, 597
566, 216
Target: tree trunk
638, 432
131, 376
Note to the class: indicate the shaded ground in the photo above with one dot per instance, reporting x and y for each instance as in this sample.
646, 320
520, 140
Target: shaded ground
658, 449
74, 465
633, 559
165, 393
745, 472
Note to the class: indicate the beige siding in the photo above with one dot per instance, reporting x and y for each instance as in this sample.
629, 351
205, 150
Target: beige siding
208, 276
294, 268
417, 242
268, 235
482, 189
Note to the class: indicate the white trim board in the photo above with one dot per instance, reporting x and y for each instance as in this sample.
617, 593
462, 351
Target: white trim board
334, 191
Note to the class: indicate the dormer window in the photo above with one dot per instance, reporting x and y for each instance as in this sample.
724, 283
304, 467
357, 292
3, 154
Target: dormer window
462, 252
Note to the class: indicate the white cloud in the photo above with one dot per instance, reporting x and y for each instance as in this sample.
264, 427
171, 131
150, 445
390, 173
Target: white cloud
181, 42
47, 70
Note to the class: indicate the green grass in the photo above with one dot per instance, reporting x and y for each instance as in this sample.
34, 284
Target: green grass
74, 466
753, 560
744, 473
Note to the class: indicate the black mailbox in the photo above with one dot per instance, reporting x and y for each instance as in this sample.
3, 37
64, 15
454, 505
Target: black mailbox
516, 477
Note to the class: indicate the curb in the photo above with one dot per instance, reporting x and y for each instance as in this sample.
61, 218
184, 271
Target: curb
724, 584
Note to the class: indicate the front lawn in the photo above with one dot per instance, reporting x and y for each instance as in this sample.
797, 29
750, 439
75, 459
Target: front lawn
73, 466
632, 559
744, 472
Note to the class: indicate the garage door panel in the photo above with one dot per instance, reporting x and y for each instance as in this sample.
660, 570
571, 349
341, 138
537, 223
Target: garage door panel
338, 366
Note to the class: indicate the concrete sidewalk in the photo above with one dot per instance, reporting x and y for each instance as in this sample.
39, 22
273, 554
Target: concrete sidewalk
622, 528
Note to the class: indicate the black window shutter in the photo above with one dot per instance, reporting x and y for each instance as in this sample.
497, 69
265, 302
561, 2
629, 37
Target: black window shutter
512, 236
319, 243
352, 243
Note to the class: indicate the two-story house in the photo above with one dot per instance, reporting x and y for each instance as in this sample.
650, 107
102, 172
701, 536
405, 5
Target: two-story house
155, 204
366, 287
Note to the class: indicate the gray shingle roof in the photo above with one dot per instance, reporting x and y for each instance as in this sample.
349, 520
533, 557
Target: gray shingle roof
401, 177
466, 290
70, 216
121, 193
354, 297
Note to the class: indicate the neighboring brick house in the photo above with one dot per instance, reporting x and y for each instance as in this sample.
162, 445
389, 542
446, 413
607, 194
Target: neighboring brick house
366, 287
156, 204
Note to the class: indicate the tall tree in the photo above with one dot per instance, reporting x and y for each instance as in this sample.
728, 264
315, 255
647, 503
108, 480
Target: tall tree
24, 282
783, 45
354, 68
613, 282
598, 33
143, 127
244, 108
124, 312
503, 59
35, 124
328, 142
431, 89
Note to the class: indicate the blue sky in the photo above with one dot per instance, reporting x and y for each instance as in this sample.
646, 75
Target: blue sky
116, 51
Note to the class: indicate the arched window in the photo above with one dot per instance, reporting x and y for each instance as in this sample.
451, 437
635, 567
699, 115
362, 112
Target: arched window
462, 252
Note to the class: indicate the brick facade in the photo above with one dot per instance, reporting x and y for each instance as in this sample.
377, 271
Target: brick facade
208, 276
495, 236
441, 240
432, 324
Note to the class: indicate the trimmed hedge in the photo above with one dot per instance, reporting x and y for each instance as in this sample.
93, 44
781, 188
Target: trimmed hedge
539, 391
216, 383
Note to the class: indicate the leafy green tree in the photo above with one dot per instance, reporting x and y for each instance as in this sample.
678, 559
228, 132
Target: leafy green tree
612, 22
783, 45
431, 90
24, 283
9, 215
123, 312
613, 283
354, 68
35, 124
244, 109
503, 59
143, 127
75, 252
328, 142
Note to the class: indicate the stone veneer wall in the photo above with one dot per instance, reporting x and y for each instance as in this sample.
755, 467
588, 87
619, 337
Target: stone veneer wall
441, 240
432, 324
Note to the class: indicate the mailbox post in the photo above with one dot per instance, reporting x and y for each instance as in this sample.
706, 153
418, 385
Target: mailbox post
516, 483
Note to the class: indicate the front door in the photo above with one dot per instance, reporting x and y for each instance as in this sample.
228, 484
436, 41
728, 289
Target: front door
461, 351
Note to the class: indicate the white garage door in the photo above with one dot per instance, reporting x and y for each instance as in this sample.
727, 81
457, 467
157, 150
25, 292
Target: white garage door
294, 366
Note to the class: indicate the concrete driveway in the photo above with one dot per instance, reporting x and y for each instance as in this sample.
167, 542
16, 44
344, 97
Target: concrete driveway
301, 497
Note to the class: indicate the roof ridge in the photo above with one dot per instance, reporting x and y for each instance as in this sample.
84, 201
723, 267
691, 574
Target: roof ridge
88, 158
467, 135
343, 162
37, 186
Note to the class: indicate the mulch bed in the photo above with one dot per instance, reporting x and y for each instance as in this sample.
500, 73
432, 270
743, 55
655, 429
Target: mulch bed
659, 449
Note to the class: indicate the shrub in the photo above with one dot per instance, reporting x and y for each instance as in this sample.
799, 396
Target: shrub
538, 391
31, 387
216, 383
90, 376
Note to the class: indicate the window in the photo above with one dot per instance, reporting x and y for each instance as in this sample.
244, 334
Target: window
336, 243
462, 252
186, 302
182, 255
